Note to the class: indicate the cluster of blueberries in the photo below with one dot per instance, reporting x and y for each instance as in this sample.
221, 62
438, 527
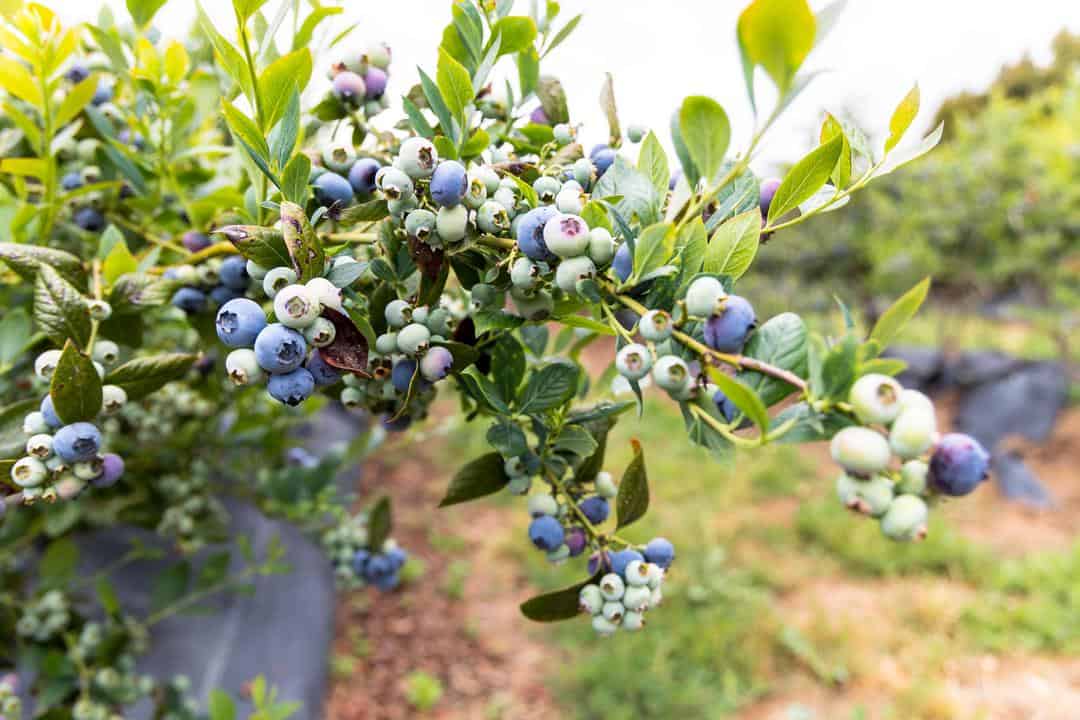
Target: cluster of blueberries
210, 284
406, 363
556, 528
359, 81
62, 459
279, 351
630, 586
355, 564
901, 423
726, 322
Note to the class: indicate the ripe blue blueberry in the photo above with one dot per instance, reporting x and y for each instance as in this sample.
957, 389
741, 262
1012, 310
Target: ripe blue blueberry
539, 117
194, 241
349, 88
322, 372
291, 388
530, 233
233, 272
576, 541
546, 533
280, 349
449, 183
402, 374
112, 470
595, 508
48, 412
958, 465
332, 189
374, 82
239, 322
436, 364
768, 192
602, 157
621, 558
77, 442
728, 330
71, 181
623, 264
727, 409
362, 176
90, 219
77, 72
660, 552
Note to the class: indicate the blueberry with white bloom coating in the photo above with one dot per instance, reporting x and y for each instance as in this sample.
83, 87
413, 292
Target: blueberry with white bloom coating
655, 326
563, 133
524, 274
45, 364
277, 279
860, 450
634, 361
660, 552
320, 333
728, 330
326, 293
113, 397
398, 313
633, 620
417, 158
413, 339
106, 351
291, 388
546, 188
530, 233
77, 442
546, 533
296, 306
672, 374
603, 626
583, 171
573, 270
239, 322
29, 472
566, 235
332, 189
280, 349
875, 399
703, 296
436, 364
612, 586
322, 372
339, 158
452, 223
40, 446
420, 224
492, 218
613, 611
542, 504
958, 465
590, 600
242, 367
601, 246
449, 183
35, 423
386, 344
905, 520
48, 412
394, 183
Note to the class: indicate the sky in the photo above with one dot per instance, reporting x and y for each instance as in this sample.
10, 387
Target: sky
660, 52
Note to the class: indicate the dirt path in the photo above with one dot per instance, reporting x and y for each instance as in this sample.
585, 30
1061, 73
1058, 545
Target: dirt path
458, 622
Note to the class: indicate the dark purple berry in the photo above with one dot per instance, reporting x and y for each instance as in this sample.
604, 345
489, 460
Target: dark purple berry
958, 465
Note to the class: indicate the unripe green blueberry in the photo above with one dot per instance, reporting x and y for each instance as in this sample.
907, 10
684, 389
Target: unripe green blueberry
451, 223
29, 472
633, 620
352, 398
671, 374
656, 576
636, 133
559, 554
256, 271
601, 246
208, 272
489, 177
420, 224
633, 361
34, 423
612, 587
637, 597
326, 293
546, 188
413, 339
476, 192
519, 485
603, 626
90, 469
913, 433
533, 306
655, 326
507, 198
438, 322
277, 279
566, 235
99, 368
876, 399
915, 400
320, 333
860, 450
613, 611
45, 364
186, 275
40, 446
582, 170
543, 504
873, 496
113, 397
524, 273
515, 467
398, 314
339, 158
296, 306
571, 199
394, 183
242, 367
636, 573
905, 519
106, 351
563, 133
605, 484
493, 218
484, 296
417, 158
913, 478
590, 600
401, 207
572, 270
703, 297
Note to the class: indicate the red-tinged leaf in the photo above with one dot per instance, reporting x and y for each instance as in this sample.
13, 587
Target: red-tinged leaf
349, 351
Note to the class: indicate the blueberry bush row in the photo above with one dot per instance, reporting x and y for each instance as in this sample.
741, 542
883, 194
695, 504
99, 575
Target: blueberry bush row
186, 226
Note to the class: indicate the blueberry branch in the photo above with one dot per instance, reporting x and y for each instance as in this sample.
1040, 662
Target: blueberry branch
724, 429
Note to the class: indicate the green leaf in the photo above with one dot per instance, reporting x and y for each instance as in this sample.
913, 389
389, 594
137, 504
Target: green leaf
76, 99
902, 118
653, 249
311, 22
611, 112
528, 63
228, 56
308, 256
284, 136
552, 99
143, 11
734, 245
59, 308
899, 313
705, 131
637, 196
249, 136
743, 396
221, 706
246, 8
576, 439
841, 175
906, 155
417, 121
119, 262
691, 247
653, 163
838, 369
776, 35
549, 387
75, 387
558, 604
563, 33
476, 144
14, 335
59, 563
380, 523
24, 260
633, 498
282, 78
294, 181
170, 585
780, 342
807, 177
17, 81
508, 364
455, 85
516, 33
263, 246
585, 323
438, 105
142, 376
483, 476
508, 439
484, 390
106, 593
370, 211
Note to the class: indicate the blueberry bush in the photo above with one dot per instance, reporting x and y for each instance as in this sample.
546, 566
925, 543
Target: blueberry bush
196, 258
